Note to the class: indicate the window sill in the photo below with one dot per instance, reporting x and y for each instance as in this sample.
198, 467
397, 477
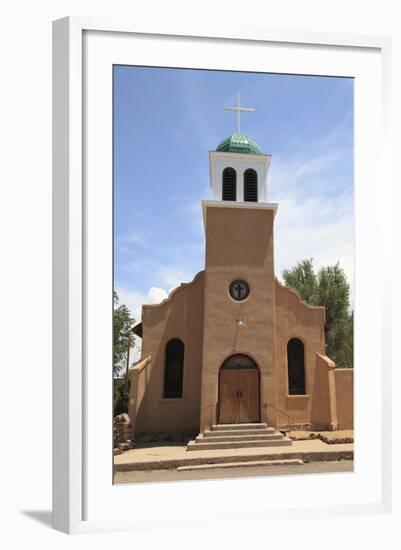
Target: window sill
295, 396
171, 399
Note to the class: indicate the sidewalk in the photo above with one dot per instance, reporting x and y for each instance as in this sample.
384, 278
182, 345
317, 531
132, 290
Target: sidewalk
173, 456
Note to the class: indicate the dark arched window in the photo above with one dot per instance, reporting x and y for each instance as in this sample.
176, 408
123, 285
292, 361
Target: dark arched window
174, 369
296, 367
250, 185
229, 184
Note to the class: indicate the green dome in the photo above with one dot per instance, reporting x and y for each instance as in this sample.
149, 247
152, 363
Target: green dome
239, 143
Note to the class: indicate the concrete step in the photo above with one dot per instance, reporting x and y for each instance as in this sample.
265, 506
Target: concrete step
249, 426
219, 433
231, 437
213, 445
282, 462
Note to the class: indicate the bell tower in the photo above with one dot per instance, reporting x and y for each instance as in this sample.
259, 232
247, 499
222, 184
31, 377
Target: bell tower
238, 166
239, 319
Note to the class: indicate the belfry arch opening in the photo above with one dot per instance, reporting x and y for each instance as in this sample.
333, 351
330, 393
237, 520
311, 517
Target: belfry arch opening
229, 184
250, 185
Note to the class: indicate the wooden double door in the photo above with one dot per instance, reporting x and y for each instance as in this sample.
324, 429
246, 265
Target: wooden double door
239, 393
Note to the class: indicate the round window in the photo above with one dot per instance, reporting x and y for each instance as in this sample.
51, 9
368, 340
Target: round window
239, 290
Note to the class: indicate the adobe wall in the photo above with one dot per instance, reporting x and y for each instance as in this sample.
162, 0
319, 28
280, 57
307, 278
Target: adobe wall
239, 245
344, 379
296, 319
179, 316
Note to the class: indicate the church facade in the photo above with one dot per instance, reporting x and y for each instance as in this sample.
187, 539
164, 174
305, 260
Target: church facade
235, 346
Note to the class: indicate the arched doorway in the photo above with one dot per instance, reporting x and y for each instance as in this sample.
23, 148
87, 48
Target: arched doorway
239, 393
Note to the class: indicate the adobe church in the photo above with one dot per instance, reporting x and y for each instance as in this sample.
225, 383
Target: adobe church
234, 350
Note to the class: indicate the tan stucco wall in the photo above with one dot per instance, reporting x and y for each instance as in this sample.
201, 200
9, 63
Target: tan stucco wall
344, 379
180, 316
296, 319
239, 245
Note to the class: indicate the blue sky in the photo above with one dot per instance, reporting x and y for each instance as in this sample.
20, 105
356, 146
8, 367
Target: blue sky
166, 121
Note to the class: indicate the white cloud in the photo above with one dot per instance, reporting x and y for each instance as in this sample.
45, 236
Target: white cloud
134, 300
156, 295
182, 266
310, 224
171, 276
311, 229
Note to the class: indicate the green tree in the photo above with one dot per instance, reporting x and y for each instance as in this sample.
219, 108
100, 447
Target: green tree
122, 335
120, 396
329, 288
302, 278
122, 339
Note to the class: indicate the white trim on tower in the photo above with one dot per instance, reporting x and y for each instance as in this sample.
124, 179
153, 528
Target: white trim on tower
240, 162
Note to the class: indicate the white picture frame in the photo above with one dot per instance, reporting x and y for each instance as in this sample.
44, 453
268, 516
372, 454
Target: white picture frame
73, 433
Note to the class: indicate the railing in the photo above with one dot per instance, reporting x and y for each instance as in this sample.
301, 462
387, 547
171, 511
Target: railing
289, 417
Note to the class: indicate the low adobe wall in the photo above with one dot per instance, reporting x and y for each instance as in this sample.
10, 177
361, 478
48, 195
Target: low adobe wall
345, 398
330, 403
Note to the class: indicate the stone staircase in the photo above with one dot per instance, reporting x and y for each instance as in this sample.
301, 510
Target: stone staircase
238, 436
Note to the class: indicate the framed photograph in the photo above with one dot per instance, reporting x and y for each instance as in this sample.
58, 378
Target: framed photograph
218, 199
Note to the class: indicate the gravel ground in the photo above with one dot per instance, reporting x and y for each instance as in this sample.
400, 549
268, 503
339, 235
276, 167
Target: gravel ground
249, 471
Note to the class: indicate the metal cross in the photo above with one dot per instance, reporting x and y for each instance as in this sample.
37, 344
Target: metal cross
240, 290
239, 110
